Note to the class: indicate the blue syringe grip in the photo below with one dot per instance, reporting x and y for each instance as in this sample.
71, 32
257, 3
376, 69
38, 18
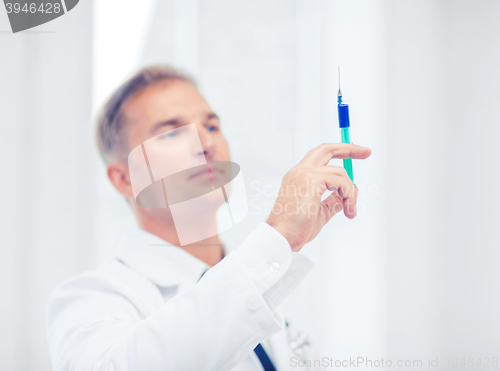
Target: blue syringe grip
343, 115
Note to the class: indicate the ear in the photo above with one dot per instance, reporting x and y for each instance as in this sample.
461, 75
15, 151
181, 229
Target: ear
119, 176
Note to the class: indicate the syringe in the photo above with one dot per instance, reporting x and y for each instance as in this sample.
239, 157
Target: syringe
345, 130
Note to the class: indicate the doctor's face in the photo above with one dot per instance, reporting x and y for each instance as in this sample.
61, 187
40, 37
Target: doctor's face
171, 115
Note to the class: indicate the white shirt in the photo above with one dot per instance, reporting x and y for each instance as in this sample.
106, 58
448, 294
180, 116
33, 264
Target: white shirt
144, 309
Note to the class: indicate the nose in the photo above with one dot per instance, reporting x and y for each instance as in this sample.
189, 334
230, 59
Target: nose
207, 143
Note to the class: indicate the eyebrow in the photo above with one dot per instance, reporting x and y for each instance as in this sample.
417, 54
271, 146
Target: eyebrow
212, 115
172, 122
176, 121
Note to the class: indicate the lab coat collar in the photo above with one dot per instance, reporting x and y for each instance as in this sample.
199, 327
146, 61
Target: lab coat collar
163, 263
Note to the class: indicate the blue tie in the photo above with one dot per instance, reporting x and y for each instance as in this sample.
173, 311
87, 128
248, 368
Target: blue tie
264, 358
260, 352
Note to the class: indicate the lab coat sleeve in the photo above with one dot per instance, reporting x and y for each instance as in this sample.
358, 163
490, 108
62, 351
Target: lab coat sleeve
93, 324
271, 265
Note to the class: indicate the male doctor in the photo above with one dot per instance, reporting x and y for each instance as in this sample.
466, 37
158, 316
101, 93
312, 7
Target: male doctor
160, 304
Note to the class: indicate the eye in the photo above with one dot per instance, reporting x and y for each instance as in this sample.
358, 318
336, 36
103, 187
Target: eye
212, 128
169, 134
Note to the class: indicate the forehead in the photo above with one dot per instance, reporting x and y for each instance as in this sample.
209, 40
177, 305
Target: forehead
166, 99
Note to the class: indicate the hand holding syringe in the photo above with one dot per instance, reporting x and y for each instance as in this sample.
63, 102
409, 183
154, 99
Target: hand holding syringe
299, 214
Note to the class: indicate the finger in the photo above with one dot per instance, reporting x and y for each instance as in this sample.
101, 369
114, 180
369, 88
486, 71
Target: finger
338, 171
334, 170
345, 189
331, 169
333, 205
321, 155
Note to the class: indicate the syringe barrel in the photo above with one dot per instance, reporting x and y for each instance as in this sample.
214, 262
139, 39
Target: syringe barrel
343, 115
345, 135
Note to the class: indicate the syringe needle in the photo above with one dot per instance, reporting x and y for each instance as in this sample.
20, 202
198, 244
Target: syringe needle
340, 92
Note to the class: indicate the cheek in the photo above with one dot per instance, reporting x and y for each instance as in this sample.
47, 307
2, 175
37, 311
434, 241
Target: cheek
158, 152
223, 149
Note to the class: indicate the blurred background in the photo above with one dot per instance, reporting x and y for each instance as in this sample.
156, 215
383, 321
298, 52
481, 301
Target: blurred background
414, 276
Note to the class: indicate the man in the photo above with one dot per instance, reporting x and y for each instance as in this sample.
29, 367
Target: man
147, 308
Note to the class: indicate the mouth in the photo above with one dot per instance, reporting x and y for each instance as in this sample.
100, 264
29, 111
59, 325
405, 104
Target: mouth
206, 172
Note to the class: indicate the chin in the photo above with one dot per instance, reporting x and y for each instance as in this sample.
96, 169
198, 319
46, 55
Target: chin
210, 201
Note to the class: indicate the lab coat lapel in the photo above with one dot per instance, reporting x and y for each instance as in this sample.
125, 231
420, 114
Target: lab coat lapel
165, 264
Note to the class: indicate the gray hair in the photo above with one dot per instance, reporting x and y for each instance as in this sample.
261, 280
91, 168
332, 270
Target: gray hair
110, 122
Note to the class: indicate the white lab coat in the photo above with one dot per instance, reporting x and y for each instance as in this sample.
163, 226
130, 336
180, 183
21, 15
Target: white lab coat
145, 310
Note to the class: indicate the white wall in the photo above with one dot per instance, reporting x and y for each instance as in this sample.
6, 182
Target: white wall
413, 276
47, 218
442, 175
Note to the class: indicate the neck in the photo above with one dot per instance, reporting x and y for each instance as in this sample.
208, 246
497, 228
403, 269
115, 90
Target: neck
160, 223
